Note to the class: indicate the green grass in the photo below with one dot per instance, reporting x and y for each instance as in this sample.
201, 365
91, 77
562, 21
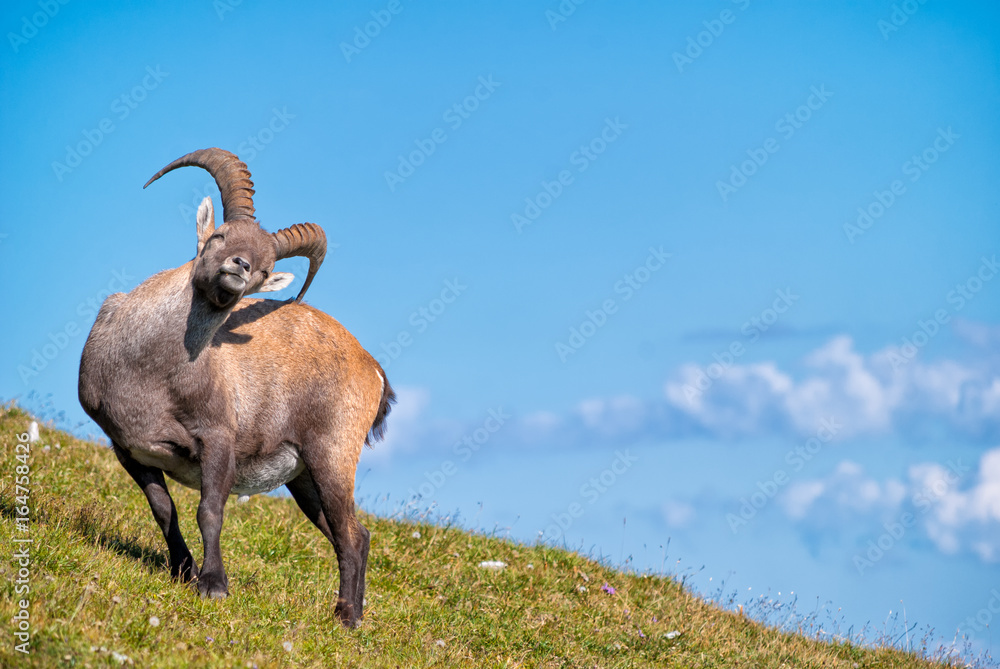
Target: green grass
99, 575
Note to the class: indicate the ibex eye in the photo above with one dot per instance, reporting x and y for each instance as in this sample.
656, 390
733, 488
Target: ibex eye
266, 274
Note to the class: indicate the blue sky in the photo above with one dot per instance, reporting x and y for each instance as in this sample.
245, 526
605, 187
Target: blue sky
674, 240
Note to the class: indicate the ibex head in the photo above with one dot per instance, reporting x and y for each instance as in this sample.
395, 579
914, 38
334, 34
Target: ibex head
238, 258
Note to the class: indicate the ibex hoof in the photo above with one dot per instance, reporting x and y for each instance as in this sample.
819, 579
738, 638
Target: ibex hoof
212, 587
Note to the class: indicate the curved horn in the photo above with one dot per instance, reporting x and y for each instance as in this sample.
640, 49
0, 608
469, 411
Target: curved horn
231, 176
302, 239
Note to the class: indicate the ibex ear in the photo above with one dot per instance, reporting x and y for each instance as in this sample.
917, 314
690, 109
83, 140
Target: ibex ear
206, 222
276, 281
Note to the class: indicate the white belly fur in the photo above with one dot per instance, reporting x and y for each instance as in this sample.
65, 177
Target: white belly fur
265, 474
253, 477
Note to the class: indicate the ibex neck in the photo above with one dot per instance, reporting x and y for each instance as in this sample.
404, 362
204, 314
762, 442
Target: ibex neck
203, 321
176, 315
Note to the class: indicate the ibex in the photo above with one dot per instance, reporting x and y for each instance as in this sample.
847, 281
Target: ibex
237, 396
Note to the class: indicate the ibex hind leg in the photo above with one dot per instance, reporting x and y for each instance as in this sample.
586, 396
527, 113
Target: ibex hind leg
153, 485
329, 504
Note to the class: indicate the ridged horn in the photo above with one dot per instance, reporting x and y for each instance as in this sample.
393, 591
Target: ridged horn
231, 176
302, 239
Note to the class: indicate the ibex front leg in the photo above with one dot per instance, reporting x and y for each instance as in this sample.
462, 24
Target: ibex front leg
218, 472
150, 479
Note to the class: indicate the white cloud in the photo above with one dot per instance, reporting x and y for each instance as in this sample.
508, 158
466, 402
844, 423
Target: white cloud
978, 334
612, 416
542, 421
955, 514
846, 489
409, 427
862, 393
970, 517
800, 497
678, 514
871, 395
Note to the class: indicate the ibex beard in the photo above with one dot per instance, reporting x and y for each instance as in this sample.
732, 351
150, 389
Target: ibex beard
234, 395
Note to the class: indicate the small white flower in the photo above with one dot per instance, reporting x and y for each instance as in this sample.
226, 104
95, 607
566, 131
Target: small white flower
582, 588
531, 566
492, 565
154, 621
243, 499
416, 534
116, 599
672, 635
439, 642
287, 646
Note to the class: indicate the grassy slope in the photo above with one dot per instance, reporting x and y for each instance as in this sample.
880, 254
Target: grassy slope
99, 574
